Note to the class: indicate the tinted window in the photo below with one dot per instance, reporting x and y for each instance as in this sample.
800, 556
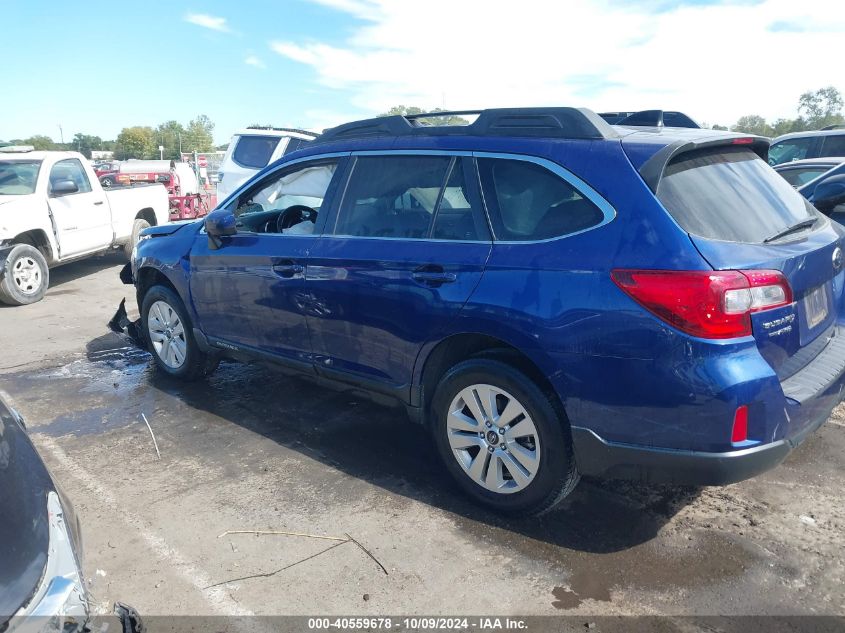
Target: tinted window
392, 196
798, 177
72, 170
833, 145
528, 202
294, 144
254, 151
730, 194
455, 218
789, 150
18, 177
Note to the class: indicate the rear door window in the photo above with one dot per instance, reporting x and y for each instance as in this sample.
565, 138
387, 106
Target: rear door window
833, 145
527, 202
255, 151
392, 196
730, 194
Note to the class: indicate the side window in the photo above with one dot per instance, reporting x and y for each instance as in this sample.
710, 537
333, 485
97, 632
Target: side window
456, 219
833, 145
289, 201
392, 196
528, 202
254, 151
789, 150
70, 169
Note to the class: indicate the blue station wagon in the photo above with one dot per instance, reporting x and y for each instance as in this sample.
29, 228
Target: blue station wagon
551, 295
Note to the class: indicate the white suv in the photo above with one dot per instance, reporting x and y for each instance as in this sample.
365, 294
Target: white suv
251, 150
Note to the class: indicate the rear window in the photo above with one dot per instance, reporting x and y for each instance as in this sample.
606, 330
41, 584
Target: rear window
730, 194
255, 151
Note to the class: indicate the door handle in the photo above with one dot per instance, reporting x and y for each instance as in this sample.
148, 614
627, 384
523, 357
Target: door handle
433, 275
98, 203
288, 269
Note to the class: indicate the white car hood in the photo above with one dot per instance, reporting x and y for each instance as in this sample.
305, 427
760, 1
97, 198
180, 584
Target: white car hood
10, 208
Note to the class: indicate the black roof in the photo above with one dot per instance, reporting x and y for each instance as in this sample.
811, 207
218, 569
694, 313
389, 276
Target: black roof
569, 123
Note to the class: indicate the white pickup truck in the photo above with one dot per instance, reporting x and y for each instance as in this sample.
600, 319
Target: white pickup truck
53, 210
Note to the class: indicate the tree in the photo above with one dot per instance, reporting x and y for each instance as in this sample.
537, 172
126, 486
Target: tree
39, 142
171, 136
821, 107
198, 135
136, 142
753, 124
84, 143
411, 110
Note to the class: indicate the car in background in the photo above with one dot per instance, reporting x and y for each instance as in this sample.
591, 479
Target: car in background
803, 145
800, 172
650, 118
550, 295
251, 150
41, 583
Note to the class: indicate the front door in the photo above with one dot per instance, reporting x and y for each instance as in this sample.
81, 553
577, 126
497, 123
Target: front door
82, 219
404, 253
249, 291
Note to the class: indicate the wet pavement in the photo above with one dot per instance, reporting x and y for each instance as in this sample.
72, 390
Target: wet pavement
253, 449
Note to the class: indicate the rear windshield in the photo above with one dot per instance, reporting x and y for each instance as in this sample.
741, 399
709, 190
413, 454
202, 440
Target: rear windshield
18, 177
255, 151
730, 194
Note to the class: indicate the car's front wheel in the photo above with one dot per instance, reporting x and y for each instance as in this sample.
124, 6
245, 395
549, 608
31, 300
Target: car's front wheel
26, 276
169, 336
502, 438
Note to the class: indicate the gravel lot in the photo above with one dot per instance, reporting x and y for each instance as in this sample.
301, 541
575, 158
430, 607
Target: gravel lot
252, 449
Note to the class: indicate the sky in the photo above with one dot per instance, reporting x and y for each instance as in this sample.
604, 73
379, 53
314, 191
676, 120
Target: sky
95, 67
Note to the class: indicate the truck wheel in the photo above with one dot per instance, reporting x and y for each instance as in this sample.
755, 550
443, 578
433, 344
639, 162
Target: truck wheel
502, 438
106, 181
25, 276
169, 336
139, 226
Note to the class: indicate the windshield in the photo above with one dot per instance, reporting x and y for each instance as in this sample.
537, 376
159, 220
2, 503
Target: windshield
18, 177
730, 194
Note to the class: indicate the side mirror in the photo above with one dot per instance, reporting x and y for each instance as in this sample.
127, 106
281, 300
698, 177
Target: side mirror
63, 187
829, 193
219, 223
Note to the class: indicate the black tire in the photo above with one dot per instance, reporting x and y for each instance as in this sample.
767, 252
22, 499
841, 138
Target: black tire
196, 364
106, 181
17, 292
555, 477
137, 227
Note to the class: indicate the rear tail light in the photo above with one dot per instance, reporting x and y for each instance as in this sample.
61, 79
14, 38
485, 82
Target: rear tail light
739, 433
709, 304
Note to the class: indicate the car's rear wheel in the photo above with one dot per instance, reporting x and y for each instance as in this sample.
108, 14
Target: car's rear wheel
26, 276
169, 336
502, 438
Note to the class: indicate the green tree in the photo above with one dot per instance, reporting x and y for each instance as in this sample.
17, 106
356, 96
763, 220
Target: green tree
753, 124
84, 143
198, 135
136, 142
719, 127
412, 110
40, 142
171, 135
821, 107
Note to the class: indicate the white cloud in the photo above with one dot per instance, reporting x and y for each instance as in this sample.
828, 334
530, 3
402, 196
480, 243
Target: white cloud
715, 62
204, 20
252, 60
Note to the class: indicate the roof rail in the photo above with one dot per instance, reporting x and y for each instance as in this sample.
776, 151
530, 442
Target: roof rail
281, 129
658, 118
570, 123
835, 126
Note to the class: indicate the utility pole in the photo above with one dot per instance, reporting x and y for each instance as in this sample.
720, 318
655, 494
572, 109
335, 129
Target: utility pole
61, 134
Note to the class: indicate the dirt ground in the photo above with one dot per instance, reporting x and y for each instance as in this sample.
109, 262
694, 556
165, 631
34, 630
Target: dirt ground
251, 449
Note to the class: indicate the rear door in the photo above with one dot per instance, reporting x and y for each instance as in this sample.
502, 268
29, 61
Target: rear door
406, 249
82, 219
738, 213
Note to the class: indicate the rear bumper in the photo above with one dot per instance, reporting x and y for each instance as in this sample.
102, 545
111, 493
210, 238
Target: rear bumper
599, 458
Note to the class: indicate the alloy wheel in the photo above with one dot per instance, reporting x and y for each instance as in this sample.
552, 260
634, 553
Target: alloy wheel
167, 334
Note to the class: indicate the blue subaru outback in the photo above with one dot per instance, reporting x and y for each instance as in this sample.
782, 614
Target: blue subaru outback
551, 295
